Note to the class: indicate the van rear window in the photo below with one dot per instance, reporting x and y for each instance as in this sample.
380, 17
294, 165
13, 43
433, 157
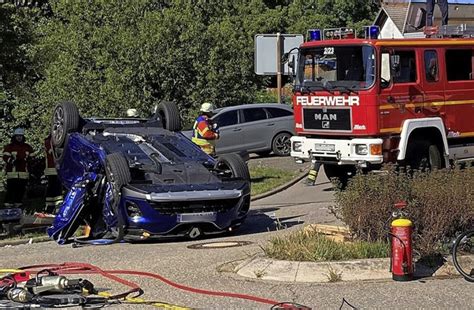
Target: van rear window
459, 64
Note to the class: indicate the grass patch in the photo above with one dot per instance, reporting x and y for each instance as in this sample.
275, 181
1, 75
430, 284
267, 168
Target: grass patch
314, 247
265, 178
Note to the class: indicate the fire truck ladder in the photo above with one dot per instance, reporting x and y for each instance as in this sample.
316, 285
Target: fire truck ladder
450, 31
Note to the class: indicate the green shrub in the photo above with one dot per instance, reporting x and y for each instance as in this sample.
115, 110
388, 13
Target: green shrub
312, 246
440, 204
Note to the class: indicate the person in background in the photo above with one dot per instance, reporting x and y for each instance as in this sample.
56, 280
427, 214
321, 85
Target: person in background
132, 113
16, 156
443, 6
205, 133
54, 195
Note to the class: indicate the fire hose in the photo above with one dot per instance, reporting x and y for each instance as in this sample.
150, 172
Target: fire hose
84, 268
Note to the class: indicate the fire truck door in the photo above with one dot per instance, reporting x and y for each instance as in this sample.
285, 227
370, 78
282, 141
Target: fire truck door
401, 95
433, 86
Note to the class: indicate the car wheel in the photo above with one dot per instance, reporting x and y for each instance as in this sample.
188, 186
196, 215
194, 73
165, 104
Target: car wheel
281, 144
234, 164
117, 171
65, 120
169, 114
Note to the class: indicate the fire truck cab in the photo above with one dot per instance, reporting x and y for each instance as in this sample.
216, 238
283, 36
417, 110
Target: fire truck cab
365, 102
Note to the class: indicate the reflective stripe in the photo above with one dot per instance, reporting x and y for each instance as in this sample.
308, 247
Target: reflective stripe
200, 141
54, 198
17, 175
7, 154
50, 171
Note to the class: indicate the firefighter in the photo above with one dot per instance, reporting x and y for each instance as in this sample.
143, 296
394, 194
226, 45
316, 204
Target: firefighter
16, 156
54, 195
205, 132
313, 173
443, 6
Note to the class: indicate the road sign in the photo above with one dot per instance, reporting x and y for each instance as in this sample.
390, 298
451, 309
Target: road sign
266, 62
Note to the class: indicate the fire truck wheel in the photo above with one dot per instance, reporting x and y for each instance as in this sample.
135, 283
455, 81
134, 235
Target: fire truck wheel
281, 144
65, 120
169, 114
422, 155
341, 173
436, 162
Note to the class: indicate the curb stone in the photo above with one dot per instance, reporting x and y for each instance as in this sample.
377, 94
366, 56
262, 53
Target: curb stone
263, 268
5, 243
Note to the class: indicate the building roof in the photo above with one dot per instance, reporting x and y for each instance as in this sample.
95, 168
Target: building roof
397, 13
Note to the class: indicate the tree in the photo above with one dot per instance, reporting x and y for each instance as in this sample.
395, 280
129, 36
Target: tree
108, 56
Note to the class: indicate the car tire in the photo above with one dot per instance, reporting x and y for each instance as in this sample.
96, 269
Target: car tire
169, 115
281, 144
65, 120
117, 171
235, 164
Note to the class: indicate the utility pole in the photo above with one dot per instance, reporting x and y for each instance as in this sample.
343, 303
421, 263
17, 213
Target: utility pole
278, 59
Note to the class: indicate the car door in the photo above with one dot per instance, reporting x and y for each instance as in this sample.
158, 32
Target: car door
230, 137
283, 120
257, 128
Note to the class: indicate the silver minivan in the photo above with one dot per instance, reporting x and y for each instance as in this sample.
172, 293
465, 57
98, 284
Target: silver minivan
259, 128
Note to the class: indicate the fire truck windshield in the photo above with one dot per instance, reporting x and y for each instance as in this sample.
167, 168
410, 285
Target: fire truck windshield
345, 68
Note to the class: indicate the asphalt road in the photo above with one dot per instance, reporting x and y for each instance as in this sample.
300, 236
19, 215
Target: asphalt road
209, 268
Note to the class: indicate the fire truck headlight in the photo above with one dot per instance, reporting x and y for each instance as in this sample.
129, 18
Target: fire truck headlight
361, 149
297, 145
376, 149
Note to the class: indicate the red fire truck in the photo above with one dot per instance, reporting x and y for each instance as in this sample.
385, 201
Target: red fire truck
365, 102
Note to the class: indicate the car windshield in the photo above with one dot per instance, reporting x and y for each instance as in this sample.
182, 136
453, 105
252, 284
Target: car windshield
347, 68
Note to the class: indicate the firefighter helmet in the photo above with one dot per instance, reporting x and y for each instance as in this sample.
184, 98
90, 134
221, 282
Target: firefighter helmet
207, 107
19, 132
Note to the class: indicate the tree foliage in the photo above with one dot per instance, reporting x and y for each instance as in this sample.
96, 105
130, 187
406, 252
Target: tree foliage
108, 56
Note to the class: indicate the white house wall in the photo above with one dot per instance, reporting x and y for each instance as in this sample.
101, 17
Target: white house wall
389, 30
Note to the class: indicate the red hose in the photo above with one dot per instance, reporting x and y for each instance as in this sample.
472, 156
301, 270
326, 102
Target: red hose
84, 268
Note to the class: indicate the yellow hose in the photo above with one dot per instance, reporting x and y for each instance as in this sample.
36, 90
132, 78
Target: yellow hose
4, 272
157, 304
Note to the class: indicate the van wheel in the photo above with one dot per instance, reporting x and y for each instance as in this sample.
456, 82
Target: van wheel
281, 144
169, 115
65, 120
234, 165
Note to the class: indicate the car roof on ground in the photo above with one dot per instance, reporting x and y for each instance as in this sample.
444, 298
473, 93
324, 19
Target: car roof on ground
255, 105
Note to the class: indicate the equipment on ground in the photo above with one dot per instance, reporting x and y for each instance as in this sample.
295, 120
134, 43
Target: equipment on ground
401, 256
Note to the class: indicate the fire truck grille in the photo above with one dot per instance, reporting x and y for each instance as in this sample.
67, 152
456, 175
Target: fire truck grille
327, 119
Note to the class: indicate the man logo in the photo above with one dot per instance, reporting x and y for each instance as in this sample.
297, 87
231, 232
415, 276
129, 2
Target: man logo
325, 117
325, 125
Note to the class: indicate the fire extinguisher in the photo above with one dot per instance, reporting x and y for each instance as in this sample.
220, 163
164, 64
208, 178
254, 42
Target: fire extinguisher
401, 256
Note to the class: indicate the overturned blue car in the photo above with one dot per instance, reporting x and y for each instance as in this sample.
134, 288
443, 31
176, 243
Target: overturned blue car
134, 179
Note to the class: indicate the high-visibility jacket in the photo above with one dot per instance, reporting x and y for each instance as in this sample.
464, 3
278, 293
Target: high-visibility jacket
50, 168
16, 156
204, 135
